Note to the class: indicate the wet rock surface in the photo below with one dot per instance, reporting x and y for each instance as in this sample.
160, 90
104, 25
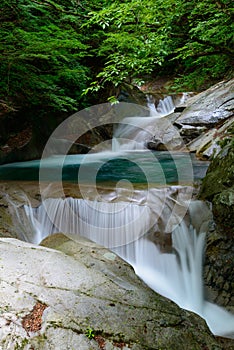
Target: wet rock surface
210, 107
165, 136
209, 143
218, 188
82, 296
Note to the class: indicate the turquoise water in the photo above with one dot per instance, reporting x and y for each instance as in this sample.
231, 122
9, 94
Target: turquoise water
134, 166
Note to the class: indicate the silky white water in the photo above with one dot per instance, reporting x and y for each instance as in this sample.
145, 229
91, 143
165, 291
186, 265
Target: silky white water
133, 132
127, 229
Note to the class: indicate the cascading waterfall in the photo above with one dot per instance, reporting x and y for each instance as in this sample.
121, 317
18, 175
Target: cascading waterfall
165, 106
109, 224
126, 228
133, 132
151, 104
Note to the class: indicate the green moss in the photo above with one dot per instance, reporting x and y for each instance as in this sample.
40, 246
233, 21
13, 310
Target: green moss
223, 209
218, 188
220, 174
22, 345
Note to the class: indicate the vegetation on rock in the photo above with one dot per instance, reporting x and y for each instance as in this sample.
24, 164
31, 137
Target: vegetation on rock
218, 188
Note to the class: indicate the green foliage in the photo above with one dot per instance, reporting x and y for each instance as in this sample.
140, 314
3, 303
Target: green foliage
90, 333
201, 72
113, 100
133, 41
41, 57
55, 53
145, 37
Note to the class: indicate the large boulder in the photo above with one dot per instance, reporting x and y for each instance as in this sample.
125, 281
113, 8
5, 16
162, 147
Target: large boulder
210, 106
207, 145
81, 296
165, 136
19, 145
200, 123
207, 119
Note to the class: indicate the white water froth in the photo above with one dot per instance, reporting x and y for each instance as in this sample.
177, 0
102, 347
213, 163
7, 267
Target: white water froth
164, 107
124, 228
133, 132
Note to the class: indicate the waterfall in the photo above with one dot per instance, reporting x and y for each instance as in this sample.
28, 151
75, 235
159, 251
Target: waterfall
134, 132
151, 104
109, 224
128, 230
164, 107
176, 275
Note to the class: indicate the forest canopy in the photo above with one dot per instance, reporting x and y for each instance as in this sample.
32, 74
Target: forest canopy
56, 56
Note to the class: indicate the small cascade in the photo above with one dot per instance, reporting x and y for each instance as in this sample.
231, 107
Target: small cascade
126, 229
151, 105
25, 225
176, 275
134, 132
164, 107
109, 224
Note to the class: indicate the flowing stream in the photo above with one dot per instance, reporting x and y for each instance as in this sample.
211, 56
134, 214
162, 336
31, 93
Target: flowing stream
158, 229
128, 230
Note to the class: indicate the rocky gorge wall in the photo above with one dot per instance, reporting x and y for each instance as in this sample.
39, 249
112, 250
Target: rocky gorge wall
218, 188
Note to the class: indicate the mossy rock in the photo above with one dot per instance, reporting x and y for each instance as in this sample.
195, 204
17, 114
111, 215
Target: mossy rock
223, 209
218, 188
220, 174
